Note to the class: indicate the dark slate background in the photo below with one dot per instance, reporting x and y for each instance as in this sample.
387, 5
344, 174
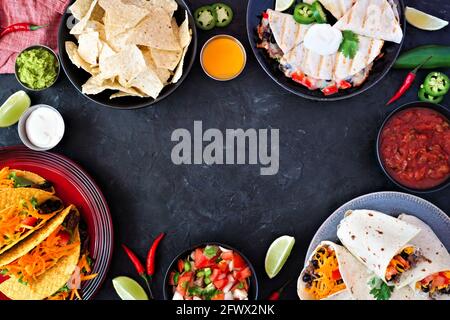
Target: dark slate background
327, 157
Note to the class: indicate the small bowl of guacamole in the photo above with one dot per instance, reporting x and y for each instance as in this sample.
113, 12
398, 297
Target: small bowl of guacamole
37, 68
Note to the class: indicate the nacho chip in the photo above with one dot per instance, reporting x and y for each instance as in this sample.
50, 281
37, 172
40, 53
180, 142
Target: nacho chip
96, 85
79, 27
119, 42
163, 74
88, 47
148, 82
179, 71
156, 31
80, 8
122, 94
72, 52
166, 59
170, 6
184, 33
97, 27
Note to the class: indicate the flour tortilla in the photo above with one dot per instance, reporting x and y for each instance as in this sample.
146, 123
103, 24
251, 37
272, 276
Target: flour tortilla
287, 32
374, 19
375, 238
48, 283
437, 256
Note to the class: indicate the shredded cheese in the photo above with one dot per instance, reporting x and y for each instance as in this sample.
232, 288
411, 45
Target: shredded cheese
324, 286
5, 180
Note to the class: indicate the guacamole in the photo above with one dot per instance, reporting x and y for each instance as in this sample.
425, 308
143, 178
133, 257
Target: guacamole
37, 68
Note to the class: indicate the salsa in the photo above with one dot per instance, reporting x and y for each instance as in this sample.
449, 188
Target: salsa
415, 148
211, 273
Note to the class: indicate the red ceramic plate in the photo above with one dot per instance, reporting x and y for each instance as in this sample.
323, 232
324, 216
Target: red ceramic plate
73, 186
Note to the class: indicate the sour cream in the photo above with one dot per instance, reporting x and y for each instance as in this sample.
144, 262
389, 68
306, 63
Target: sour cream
323, 39
44, 127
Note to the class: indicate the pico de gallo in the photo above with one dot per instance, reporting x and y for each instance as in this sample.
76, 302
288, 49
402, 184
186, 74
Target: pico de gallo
211, 273
435, 285
402, 262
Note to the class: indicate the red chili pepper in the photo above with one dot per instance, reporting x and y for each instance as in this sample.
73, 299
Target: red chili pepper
276, 295
151, 255
330, 90
407, 83
139, 267
20, 27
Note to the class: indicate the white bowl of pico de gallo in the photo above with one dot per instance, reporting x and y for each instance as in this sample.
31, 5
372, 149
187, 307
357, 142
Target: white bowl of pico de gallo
211, 271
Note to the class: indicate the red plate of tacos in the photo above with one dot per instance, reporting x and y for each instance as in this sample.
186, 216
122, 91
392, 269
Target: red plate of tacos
57, 228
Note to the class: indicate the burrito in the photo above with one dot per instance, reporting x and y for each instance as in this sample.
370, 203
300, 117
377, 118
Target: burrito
22, 212
382, 243
41, 272
432, 275
11, 178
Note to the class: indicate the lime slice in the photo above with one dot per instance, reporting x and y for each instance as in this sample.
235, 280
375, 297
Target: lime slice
277, 255
423, 20
128, 289
13, 108
283, 5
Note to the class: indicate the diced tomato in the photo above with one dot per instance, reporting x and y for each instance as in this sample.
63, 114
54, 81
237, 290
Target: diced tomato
30, 221
215, 274
344, 84
447, 279
180, 265
238, 262
64, 237
220, 284
403, 262
183, 282
243, 274
223, 265
172, 278
427, 280
336, 275
330, 90
439, 281
227, 255
390, 272
265, 15
300, 78
219, 296
200, 260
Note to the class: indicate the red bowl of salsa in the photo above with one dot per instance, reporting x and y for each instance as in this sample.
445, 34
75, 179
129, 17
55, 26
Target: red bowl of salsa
413, 147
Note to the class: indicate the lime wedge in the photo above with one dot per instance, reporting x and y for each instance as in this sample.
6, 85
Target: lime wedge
13, 108
277, 255
128, 289
423, 20
283, 5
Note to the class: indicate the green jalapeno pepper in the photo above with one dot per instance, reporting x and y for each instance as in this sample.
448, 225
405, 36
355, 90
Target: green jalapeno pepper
205, 17
436, 84
304, 14
424, 96
224, 14
318, 12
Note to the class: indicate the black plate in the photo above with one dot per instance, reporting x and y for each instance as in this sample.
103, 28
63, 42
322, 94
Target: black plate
78, 76
380, 68
444, 111
167, 289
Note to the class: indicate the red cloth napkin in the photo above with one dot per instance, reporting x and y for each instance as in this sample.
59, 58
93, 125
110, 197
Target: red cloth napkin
38, 12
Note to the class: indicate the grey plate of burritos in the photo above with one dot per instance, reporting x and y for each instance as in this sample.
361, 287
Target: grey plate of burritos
380, 246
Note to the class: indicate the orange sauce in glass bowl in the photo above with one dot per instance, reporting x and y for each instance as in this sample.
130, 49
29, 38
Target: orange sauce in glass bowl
223, 58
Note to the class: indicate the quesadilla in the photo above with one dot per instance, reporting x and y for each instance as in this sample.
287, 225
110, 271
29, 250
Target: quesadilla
336, 7
372, 18
12, 178
431, 278
22, 212
42, 271
382, 243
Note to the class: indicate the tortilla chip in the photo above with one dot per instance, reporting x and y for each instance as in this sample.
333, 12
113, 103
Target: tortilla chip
72, 52
156, 31
119, 42
126, 64
95, 26
170, 6
80, 8
148, 82
163, 74
121, 16
88, 47
79, 27
96, 85
179, 71
122, 94
166, 59
47, 284
25, 246
184, 33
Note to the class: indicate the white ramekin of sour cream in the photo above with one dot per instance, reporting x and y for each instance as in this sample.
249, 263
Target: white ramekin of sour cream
41, 127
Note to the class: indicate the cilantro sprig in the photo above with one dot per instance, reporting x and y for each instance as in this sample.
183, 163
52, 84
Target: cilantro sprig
380, 290
350, 44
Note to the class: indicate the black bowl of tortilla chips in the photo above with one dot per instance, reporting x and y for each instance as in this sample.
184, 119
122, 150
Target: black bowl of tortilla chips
127, 54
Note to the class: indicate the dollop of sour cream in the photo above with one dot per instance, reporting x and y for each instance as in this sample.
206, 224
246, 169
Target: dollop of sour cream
323, 39
44, 128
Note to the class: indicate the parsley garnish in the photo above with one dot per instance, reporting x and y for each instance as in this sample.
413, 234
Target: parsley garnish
350, 44
380, 290
34, 202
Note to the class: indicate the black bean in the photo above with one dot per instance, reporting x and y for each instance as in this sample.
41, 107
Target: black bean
307, 278
404, 255
315, 263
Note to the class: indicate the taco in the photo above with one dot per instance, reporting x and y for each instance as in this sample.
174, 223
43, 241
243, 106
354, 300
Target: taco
12, 178
45, 269
382, 243
22, 212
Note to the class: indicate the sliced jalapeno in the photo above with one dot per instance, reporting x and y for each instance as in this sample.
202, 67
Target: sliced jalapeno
436, 84
318, 12
304, 14
205, 17
424, 96
224, 14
